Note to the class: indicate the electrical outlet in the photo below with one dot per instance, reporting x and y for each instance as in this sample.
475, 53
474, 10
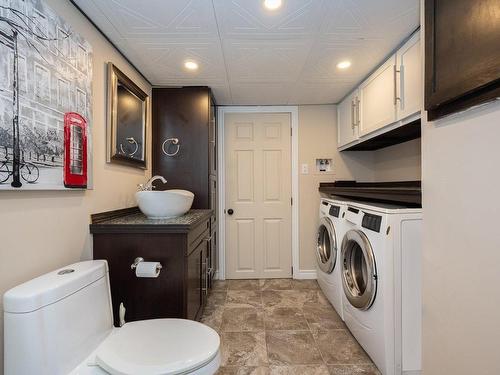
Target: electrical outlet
305, 168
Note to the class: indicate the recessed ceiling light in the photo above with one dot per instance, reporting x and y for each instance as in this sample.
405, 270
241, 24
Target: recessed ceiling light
272, 4
344, 64
191, 65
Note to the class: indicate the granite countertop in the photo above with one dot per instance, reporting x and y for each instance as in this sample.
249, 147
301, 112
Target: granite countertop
133, 221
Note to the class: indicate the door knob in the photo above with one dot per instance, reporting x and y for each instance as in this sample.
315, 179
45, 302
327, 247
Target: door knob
230, 211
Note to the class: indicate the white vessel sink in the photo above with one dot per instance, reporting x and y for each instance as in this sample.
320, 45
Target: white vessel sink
164, 204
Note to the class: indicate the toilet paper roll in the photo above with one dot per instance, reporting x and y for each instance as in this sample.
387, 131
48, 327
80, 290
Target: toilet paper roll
148, 269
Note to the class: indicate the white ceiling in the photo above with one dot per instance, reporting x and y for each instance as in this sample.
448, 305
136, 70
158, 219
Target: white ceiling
250, 55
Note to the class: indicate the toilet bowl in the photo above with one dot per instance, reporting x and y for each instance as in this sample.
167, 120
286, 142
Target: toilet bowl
64, 321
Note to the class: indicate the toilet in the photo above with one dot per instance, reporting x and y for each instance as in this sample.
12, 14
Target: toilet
62, 323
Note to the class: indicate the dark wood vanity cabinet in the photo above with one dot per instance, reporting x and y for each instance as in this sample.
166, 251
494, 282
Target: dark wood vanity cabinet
188, 114
183, 249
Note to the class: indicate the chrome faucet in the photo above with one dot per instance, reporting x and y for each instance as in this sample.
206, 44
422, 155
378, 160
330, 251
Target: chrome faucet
148, 186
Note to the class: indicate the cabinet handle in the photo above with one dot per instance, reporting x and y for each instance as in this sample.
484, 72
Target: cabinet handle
396, 98
353, 121
358, 121
401, 87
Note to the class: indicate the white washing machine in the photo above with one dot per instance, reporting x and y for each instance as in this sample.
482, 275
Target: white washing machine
330, 232
381, 279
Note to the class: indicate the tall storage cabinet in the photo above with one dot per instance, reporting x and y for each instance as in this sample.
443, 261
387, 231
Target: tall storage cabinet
188, 114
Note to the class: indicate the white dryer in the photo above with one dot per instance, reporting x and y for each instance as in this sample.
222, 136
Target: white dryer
330, 232
381, 276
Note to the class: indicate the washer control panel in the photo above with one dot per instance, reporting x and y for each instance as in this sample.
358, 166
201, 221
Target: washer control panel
372, 222
334, 211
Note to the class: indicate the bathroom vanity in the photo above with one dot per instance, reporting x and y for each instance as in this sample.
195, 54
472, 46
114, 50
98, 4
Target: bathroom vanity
181, 245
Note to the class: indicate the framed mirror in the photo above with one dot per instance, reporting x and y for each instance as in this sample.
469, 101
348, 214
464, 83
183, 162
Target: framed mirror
127, 107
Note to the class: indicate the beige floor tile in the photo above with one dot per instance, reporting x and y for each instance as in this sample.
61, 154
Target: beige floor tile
292, 348
289, 298
243, 370
322, 317
305, 284
340, 347
242, 319
353, 370
216, 299
299, 370
244, 284
284, 318
244, 298
219, 285
213, 318
276, 284
244, 349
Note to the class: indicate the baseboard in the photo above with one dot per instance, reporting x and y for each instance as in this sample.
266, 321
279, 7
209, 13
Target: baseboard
305, 275
301, 275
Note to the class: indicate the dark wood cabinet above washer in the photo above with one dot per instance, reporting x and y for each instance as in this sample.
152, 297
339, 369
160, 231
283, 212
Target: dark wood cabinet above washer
462, 54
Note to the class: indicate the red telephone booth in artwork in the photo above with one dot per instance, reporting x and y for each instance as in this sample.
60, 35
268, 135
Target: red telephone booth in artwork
75, 150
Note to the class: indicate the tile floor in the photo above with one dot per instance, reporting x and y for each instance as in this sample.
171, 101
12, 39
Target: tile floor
281, 327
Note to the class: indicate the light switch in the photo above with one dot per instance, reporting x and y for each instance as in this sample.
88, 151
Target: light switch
305, 168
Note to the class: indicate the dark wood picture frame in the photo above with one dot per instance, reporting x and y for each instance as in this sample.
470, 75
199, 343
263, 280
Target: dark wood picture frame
462, 55
117, 78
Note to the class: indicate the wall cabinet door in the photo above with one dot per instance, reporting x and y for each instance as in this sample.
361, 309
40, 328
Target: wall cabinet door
348, 119
409, 79
378, 98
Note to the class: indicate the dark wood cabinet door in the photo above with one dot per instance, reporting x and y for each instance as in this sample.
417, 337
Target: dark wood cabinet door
462, 54
183, 113
196, 280
213, 256
144, 298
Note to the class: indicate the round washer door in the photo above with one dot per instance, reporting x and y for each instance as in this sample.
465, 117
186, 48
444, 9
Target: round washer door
326, 249
359, 272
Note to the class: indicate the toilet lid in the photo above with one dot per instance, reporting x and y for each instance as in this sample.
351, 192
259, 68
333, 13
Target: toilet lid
158, 346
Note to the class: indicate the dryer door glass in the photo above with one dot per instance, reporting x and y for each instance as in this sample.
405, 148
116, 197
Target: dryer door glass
326, 249
359, 274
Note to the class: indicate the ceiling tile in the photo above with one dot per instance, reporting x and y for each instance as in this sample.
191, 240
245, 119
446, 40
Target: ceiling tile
249, 19
250, 55
260, 93
265, 61
161, 18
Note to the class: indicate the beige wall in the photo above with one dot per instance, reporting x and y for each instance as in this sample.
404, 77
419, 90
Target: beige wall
401, 162
41, 231
461, 243
318, 139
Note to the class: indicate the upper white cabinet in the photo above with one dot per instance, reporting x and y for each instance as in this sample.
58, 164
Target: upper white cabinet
377, 97
348, 119
388, 98
409, 79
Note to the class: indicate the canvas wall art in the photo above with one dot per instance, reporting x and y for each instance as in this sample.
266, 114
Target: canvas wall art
45, 100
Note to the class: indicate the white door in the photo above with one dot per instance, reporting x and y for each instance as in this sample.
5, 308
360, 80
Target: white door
409, 62
347, 120
258, 195
378, 98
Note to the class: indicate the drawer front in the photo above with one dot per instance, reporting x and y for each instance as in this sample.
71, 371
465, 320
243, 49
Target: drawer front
198, 234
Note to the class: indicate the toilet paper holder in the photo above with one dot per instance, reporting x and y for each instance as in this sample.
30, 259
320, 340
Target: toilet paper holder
141, 259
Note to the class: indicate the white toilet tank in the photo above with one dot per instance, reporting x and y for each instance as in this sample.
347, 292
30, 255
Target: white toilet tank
52, 323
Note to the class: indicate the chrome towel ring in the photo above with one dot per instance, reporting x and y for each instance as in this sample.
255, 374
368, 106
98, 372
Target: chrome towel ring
132, 141
175, 141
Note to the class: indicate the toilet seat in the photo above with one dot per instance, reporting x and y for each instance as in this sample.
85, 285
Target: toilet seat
158, 346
